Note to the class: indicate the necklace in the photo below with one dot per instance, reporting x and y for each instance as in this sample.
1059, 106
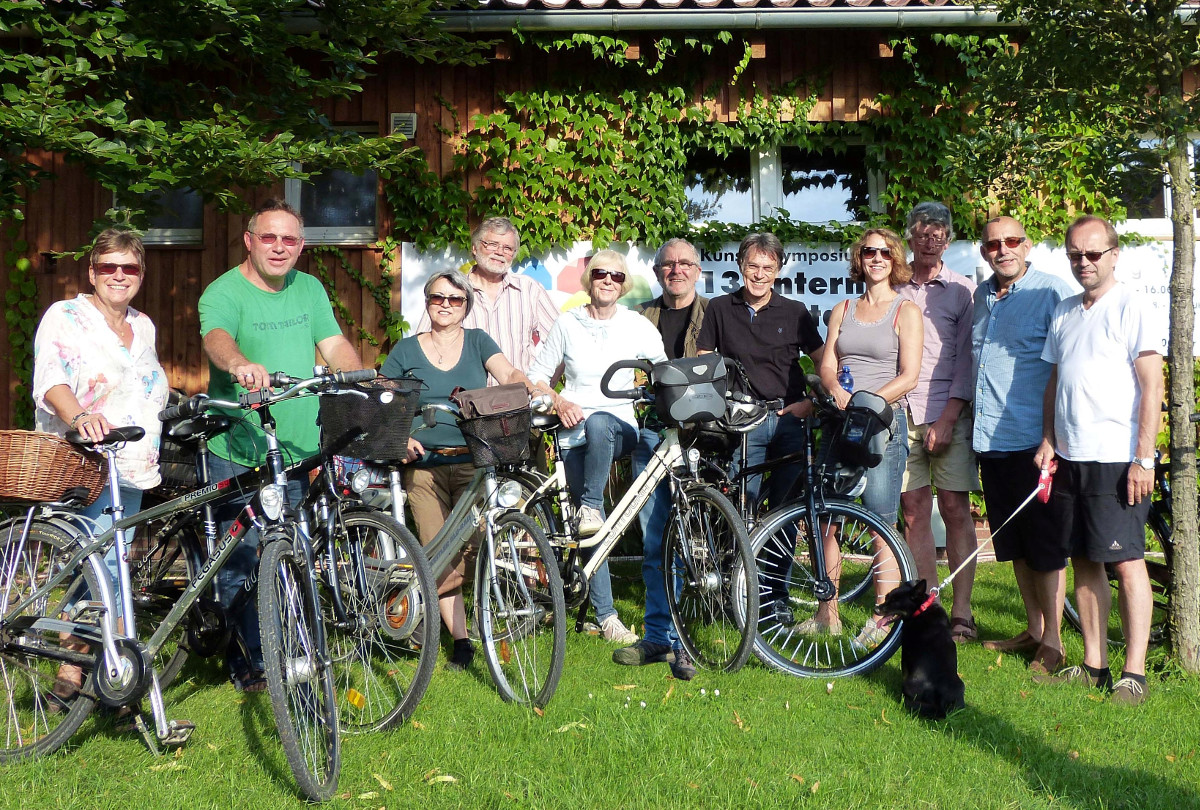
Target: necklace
441, 361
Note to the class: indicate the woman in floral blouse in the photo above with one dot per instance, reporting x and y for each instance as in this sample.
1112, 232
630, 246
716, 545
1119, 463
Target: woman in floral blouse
95, 368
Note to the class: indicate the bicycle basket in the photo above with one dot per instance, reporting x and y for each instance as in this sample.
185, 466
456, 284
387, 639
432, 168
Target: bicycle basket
502, 438
176, 459
42, 467
382, 408
866, 430
690, 389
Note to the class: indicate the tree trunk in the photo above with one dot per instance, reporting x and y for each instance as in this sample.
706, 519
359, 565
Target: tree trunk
1186, 572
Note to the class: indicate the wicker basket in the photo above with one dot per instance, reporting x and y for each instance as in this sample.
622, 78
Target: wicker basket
42, 467
383, 408
502, 438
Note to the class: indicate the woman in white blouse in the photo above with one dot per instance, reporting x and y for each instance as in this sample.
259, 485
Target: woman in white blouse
95, 368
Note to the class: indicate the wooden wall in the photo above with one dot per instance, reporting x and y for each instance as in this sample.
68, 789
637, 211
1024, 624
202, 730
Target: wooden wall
60, 213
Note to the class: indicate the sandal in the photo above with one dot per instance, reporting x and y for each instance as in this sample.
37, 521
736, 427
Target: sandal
253, 681
963, 631
67, 684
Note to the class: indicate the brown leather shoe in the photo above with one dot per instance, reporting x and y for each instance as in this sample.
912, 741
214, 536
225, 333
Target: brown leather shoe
1019, 643
1046, 660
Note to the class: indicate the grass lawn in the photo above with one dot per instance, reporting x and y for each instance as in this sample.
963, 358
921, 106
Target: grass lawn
629, 738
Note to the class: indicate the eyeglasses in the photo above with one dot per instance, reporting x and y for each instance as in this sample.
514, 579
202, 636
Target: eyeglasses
1093, 256
762, 268
497, 247
438, 299
682, 264
108, 268
868, 252
929, 239
269, 239
1010, 242
599, 273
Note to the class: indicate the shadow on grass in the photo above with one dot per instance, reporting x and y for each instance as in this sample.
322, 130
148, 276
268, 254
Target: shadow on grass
262, 738
1058, 776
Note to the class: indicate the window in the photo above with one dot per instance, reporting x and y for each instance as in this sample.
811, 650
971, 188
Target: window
175, 217
811, 186
338, 207
1145, 189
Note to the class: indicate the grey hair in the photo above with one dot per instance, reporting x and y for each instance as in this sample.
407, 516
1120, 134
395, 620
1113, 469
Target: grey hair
459, 281
763, 242
670, 243
930, 213
498, 225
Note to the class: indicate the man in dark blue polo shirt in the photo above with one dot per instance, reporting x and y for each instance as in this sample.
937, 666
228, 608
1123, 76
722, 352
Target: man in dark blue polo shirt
766, 333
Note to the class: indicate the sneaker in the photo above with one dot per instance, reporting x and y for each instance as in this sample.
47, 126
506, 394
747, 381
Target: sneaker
872, 634
642, 652
1129, 691
590, 521
612, 630
815, 627
1077, 674
682, 668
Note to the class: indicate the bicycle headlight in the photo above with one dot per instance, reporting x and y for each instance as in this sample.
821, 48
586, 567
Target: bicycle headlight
508, 494
360, 481
271, 499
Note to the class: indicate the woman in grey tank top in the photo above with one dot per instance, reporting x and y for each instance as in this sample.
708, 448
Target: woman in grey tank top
878, 336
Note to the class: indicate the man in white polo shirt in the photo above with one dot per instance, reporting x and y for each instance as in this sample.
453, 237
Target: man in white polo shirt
1102, 414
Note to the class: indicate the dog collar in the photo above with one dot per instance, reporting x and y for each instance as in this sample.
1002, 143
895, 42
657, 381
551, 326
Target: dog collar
925, 605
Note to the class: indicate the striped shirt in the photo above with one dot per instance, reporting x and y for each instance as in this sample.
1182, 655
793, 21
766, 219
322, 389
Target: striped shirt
518, 320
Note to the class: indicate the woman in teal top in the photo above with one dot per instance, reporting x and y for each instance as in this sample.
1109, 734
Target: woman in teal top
439, 465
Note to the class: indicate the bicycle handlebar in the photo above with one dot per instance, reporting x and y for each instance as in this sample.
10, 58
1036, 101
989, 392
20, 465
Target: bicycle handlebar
631, 393
294, 386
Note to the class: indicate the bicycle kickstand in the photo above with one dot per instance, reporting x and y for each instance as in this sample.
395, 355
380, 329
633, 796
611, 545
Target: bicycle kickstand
165, 733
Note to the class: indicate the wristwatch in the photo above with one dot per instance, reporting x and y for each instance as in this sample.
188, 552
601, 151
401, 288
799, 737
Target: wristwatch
1144, 463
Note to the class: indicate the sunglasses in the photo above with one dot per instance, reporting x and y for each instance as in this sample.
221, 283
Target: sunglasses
269, 239
1010, 242
599, 273
108, 268
869, 252
438, 299
1093, 256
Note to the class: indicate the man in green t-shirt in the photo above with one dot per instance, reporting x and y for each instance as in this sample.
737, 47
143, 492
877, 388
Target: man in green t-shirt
264, 316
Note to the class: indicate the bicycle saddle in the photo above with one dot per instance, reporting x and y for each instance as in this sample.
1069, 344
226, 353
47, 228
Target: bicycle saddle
200, 428
546, 421
121, 434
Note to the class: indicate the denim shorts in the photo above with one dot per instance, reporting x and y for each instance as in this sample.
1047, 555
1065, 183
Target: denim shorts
882, 495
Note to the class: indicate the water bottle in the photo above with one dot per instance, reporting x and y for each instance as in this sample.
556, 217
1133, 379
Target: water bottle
846, 379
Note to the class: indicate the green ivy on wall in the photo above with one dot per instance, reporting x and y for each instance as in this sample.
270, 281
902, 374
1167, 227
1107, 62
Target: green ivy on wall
391, 323
20, 313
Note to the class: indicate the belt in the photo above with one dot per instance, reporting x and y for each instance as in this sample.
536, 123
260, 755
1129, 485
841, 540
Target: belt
449, 451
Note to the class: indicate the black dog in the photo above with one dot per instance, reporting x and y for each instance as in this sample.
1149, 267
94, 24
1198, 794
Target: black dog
928, 657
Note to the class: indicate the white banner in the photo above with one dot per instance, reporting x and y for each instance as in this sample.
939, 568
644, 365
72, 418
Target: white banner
815, 275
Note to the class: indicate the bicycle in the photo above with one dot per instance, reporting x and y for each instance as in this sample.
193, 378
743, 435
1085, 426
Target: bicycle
44, 622
518, 596
707, 559
821, 548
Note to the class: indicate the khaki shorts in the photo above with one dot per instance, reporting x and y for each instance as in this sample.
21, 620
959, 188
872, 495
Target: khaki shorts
953, 470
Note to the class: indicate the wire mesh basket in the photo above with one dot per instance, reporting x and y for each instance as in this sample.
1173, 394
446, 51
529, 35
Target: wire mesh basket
382, 408
501, 438
42, 467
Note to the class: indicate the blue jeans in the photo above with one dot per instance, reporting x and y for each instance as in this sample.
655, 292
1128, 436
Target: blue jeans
882, 495
588, 467
131, 500
237, 569
777, 436
653, 520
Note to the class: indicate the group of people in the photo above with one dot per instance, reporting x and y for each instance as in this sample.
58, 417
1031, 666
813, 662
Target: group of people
1009, 378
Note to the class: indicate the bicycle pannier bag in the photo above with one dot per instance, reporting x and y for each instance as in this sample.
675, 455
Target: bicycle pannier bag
866, 431
490, 401
690, 389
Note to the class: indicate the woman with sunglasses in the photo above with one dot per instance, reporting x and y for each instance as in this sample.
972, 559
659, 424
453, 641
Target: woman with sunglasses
878, 337
586, 341
95, 368
439, 467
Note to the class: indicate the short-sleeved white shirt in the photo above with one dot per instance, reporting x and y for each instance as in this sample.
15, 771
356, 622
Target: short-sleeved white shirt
1097, 398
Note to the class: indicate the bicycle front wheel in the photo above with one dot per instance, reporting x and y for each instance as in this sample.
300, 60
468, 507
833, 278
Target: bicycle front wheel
385, 648
35, 719
709, 568
864, 558
299, 677
522, 615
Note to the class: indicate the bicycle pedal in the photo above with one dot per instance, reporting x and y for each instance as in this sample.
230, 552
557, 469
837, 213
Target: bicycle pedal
178, 732
81, 608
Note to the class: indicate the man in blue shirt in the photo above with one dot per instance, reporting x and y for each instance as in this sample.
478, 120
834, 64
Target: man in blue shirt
1013, 311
